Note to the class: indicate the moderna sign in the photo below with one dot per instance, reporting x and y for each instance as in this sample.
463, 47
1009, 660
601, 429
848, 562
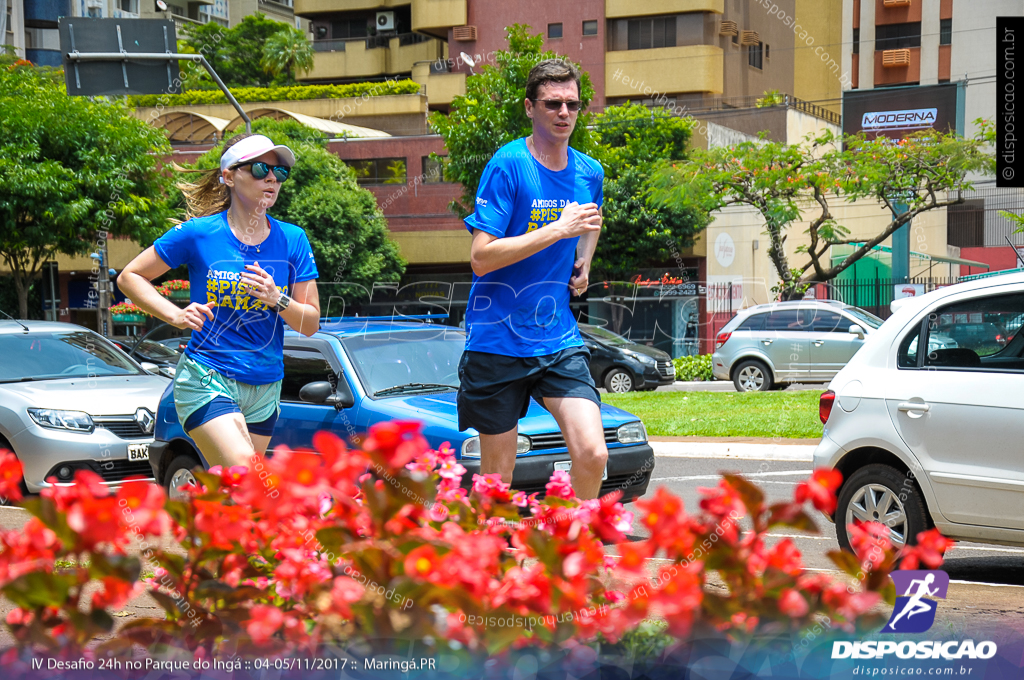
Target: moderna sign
899, 120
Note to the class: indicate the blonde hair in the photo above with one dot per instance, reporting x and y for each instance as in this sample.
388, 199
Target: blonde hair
207, 196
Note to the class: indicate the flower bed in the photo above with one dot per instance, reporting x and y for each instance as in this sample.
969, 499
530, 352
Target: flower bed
368, 547
175, 289
128, 313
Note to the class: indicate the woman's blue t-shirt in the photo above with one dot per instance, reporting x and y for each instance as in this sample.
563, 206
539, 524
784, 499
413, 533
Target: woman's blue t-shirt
245, 340
522, 310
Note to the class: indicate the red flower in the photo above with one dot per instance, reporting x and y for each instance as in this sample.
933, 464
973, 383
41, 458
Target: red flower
422, 563
785, 557
820, 489
141, 507
10, 476
490, 487
96, 521
930, 550
264, 621
560, 485
398, 441
115, 593
792, 604
679, 599
870, 541
225, 524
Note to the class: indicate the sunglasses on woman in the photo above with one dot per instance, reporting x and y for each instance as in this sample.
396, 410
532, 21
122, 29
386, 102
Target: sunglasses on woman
556, 104
259, 170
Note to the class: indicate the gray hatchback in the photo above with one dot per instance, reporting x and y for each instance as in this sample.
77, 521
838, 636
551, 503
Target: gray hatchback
786, 342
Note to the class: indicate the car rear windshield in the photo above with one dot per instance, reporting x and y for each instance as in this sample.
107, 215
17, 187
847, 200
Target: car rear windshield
392, 359
61, 354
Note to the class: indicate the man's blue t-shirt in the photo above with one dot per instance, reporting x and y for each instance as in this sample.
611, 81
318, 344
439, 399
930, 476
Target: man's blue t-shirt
245, 339
522, 310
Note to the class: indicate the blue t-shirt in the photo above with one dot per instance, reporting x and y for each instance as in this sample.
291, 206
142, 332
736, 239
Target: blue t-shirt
245, 339
522, 310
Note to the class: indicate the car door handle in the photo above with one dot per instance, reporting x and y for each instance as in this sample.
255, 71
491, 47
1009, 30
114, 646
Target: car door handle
819, 343
906, 406
767, 342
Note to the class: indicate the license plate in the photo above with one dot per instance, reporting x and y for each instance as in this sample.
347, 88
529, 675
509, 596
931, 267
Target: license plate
566, 465
138, 452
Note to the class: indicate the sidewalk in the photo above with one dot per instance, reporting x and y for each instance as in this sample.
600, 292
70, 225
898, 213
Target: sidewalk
745, 448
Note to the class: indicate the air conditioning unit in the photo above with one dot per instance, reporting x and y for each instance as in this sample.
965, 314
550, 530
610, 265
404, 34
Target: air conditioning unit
728, 28
895, 58
464, 33
895, 3
749, 38
385, 21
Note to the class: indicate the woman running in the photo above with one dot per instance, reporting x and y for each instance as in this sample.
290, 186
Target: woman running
249, 275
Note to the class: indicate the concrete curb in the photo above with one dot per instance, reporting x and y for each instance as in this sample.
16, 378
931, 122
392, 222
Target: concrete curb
740, 451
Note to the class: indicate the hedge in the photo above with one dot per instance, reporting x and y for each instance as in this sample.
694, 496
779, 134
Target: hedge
278, 94
694, 368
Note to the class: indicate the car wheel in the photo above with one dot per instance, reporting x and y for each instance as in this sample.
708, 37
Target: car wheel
618, 380
179, 473
752, 376
880, 493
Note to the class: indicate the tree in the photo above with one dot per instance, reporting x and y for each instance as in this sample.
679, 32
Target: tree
346, 229
491, 114
783, 182
236, 54
632, 140
72, 170
287, 52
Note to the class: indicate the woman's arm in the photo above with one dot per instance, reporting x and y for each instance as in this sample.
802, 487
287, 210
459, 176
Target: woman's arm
134, 281
303, 313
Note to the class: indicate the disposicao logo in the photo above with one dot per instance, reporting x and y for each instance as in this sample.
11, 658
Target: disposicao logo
914, 613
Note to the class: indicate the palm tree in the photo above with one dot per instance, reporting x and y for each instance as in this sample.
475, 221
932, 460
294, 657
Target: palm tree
287, 51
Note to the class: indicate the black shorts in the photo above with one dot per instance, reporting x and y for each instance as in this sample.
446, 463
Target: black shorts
495, 389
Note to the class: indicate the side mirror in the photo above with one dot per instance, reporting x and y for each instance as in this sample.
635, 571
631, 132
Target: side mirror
150, 367
857, 330
321, 392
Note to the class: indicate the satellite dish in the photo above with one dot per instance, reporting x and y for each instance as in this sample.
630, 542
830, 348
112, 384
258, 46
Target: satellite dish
465, 57
161, 5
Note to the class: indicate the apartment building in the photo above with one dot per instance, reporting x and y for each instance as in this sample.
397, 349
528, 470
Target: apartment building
901, 43
680, 52
30, 27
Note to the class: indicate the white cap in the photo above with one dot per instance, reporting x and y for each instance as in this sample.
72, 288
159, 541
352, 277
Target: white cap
254, 147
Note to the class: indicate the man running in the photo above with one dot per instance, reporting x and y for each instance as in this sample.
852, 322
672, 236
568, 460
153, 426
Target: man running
535, 229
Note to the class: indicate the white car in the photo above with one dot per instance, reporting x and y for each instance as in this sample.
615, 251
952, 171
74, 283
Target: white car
935, 438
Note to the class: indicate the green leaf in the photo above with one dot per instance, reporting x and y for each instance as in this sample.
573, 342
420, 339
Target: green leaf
40, 589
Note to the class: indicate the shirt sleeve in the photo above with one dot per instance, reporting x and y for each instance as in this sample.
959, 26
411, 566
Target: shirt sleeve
495, 199
305, 264
176, 247
599, 187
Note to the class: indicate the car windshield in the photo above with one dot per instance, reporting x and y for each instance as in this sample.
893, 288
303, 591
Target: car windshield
866, 318
415, 360
604, 335
60, 354
156, 351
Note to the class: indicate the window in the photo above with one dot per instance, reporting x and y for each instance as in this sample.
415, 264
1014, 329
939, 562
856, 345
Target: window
829, 322
755, 53
907, 355
590, 28
433, 171
131, 6
977, 334
754, 322
945, 31
554, 31
302, 367
348, 28
856, 41
783, 320
898, 36
767, 53
95, 13
645, 34
379, 170
965, 224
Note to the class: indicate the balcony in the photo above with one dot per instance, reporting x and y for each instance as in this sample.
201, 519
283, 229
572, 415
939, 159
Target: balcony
41, 57
370, 57
437, 16
442, 86
649, 73
44, 13
320, 7
617, 9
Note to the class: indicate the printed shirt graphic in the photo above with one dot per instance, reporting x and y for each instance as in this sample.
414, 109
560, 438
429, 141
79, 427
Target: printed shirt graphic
245, 339
523, 309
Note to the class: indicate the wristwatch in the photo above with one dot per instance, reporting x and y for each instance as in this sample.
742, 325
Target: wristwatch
283, 302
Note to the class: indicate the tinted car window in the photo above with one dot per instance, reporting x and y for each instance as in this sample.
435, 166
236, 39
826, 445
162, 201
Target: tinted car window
783, 320
865, 319
61, 354
824, 321
983, 331
754, 322
300, 368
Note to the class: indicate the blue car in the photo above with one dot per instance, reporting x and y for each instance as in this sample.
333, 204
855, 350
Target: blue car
354, 373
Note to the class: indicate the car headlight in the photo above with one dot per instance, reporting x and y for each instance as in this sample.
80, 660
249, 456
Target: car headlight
644, 359
632, 433
471, 447
76, 421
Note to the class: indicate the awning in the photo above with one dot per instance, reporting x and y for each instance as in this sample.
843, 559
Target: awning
985, 275
330, 127
187, 126
927, 257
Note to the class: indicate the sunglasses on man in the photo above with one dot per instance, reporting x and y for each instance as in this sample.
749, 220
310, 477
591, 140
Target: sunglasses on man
259, 170
556, 104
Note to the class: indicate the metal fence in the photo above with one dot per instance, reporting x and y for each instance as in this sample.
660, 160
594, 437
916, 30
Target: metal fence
875, 295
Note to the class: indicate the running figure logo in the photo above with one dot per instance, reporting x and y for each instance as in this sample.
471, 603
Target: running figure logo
913, 613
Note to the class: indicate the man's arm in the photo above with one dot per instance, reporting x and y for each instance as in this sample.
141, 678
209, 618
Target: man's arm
584, 256
489, 253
